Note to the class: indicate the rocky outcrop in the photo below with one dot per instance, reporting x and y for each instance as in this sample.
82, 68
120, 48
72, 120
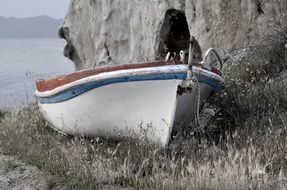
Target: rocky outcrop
140, 31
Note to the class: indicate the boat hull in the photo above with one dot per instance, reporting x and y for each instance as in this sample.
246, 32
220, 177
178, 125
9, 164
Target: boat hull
118, 110
141, 103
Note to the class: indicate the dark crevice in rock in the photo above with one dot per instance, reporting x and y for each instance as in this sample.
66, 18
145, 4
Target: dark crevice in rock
174, 34
194, 10
69, 51
259, 7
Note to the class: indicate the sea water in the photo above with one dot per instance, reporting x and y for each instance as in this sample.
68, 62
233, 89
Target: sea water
23, 61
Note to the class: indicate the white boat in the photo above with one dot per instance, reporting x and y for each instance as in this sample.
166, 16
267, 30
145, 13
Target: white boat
152, 99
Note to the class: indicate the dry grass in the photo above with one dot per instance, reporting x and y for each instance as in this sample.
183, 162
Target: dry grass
254, 106
80, 163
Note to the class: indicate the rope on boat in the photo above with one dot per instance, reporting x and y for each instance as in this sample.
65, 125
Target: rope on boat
198, 102
190, 61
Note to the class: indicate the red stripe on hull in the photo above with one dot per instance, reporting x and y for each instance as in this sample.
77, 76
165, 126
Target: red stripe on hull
50, 84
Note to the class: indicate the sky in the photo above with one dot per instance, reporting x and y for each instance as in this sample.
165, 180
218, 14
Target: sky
29, 8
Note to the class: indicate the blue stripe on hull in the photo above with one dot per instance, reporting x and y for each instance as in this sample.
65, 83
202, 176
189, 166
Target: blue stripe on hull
82, 88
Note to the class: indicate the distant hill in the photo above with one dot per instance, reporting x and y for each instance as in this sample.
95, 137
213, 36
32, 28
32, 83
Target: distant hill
33, 27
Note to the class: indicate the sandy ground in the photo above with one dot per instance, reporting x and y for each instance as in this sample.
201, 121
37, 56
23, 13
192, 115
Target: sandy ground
17, 175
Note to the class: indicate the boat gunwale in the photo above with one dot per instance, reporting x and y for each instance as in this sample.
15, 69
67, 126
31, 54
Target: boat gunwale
142, 74
50, 84
43, 85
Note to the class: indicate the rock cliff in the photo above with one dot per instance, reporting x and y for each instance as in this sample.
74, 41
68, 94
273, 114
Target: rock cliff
140, 31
